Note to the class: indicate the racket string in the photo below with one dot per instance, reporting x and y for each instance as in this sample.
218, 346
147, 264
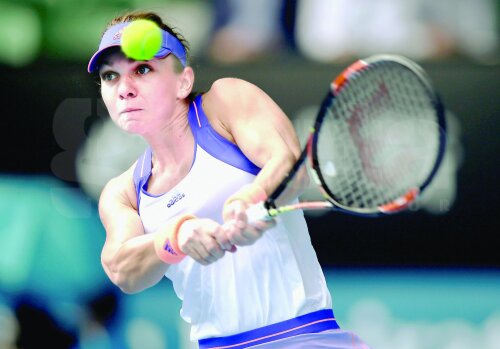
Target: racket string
374, 143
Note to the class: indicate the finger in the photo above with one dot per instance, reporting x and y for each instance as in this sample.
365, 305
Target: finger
193, 253
209, 249
251, 234
254, 231
205, 257
228, 213
222, 236
246, 237
238, 235
264, 225
239, 209
236, 210
214, 250
240, 214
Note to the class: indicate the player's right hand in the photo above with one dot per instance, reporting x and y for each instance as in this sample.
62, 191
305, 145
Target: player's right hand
238, 230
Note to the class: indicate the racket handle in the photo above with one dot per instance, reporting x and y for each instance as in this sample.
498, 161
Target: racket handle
257, 212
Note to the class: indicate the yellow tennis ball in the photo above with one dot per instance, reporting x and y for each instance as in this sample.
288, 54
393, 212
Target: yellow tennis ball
141, 40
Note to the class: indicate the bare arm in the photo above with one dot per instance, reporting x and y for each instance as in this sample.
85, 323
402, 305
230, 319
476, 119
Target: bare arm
128, 256
247, 116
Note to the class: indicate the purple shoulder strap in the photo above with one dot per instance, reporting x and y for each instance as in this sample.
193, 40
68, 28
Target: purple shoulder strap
142, 172
213, 143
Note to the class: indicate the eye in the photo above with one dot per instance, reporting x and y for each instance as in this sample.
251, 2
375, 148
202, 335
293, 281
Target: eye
143, 69
108, 75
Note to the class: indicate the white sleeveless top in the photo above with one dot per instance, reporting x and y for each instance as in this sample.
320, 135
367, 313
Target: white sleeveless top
275, 279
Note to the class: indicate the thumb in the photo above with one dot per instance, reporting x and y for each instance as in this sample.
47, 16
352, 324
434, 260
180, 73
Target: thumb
234, 210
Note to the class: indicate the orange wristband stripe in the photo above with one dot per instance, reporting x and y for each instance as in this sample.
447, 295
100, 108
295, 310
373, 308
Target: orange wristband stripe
166, 245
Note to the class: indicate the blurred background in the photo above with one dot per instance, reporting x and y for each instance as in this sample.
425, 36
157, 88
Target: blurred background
429, 278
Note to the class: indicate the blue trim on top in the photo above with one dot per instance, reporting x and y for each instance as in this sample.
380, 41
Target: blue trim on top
142, 172
318, 321
207, 138
214, 144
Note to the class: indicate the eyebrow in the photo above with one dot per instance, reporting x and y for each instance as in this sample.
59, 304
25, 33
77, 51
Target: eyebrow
104, 62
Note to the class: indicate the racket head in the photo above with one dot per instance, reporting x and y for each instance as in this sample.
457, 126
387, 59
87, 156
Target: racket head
379, 137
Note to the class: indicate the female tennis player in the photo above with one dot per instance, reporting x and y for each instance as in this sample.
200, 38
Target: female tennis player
179, 211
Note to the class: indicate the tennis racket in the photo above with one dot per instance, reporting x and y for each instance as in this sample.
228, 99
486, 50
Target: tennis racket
376, 144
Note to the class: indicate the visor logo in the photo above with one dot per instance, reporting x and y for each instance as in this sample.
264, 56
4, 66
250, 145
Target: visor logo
118, 35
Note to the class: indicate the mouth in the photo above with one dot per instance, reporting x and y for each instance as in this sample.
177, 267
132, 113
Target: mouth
130, 110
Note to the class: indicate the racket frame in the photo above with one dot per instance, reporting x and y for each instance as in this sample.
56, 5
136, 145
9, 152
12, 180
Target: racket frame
310, 151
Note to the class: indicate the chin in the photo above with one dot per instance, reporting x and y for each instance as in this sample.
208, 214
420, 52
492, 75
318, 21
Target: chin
133, 127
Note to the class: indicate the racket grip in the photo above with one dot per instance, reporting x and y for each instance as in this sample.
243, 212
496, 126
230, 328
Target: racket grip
257, 212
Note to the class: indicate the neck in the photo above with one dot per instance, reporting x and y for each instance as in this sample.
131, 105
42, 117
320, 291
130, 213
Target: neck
173, 144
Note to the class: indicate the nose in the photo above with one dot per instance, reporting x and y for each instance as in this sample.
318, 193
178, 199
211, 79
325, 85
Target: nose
127, 88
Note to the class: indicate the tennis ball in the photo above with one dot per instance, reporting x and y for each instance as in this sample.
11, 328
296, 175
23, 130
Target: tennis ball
141, 40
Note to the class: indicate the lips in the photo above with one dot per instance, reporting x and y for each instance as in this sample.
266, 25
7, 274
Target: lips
129, 110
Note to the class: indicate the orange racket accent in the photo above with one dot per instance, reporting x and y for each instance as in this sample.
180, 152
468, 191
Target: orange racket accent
342, 78
400, 203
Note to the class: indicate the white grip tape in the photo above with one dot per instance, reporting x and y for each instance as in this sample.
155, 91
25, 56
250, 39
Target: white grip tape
257, 212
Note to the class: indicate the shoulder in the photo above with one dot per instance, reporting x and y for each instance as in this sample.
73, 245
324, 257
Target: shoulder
120, 189
228, 85
227, 101
228, 92
232, 98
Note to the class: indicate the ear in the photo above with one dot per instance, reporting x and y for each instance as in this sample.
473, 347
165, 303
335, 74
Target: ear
186, 82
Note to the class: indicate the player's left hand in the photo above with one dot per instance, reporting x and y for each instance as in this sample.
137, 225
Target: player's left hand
236, 226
